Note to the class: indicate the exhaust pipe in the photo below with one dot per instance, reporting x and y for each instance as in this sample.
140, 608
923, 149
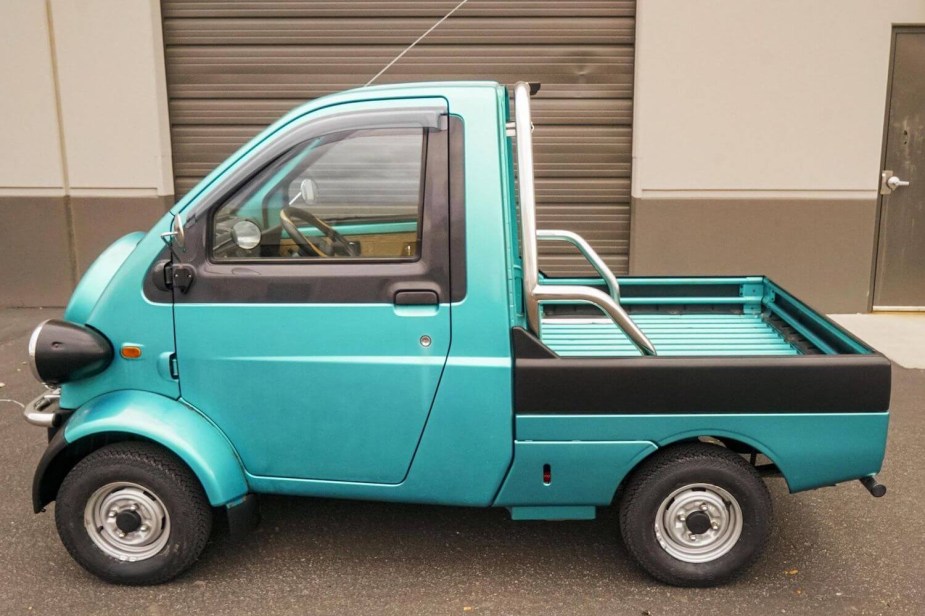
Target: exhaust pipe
875, 488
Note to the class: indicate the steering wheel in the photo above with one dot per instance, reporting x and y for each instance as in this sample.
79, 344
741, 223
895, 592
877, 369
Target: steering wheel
289, 214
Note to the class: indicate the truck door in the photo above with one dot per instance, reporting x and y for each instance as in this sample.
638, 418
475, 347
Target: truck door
316, 322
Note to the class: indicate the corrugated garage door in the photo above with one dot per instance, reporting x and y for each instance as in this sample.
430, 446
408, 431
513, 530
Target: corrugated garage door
234, 66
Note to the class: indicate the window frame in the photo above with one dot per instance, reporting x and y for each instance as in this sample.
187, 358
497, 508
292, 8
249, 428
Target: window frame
352, 281
420, 226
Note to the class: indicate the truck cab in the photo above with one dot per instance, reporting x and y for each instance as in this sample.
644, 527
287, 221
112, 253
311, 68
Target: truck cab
351, 306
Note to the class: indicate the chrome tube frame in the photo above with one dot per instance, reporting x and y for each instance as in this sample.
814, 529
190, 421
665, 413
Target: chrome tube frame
40, 411
534, 292
587, 252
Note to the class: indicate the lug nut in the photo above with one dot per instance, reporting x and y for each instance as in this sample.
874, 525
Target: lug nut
143, 528
703, 506
715, 526
113, 513
682, 517
693, 537
120, 533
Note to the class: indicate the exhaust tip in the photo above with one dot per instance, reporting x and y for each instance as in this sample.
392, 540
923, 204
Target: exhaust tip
875, 488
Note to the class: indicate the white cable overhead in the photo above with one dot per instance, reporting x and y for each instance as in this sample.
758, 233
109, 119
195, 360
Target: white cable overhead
419, 39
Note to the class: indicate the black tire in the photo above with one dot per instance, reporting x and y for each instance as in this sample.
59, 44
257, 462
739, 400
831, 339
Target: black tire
668, 471
160, 473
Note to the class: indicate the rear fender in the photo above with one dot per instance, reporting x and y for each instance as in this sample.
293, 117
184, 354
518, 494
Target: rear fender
810, 450
128, 415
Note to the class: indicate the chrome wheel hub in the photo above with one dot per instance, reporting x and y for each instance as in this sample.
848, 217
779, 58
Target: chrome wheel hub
698, 523
127, 521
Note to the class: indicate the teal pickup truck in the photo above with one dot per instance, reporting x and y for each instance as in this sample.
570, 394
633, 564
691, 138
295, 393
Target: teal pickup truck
351, 307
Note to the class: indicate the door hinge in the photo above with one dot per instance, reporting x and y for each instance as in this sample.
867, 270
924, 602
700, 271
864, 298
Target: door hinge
178, 276
174, 367
167, 276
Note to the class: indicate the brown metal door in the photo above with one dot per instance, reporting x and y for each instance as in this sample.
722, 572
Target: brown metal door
900, 276
235, 66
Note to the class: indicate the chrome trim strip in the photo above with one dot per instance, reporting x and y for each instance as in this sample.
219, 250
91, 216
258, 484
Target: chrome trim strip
534, 292
33, 341
35, 412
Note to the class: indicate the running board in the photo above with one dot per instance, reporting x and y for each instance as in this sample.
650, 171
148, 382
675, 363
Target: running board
565, 512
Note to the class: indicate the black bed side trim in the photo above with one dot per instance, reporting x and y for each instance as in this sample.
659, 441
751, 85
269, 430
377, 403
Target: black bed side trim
545, 383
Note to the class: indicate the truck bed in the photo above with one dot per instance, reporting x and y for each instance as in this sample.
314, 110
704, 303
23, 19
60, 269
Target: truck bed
698, 317
723, 345
687, 334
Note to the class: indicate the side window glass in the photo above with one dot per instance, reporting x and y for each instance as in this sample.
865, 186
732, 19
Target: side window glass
349, 195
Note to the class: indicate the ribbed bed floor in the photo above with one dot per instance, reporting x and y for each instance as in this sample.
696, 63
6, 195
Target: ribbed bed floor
672, 334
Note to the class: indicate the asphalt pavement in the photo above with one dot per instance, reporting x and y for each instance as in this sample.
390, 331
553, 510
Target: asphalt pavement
833, 551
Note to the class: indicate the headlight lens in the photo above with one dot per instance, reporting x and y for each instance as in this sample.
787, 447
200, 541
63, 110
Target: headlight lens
33, 340
61, 351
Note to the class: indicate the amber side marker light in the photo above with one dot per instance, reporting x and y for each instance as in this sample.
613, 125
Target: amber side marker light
130, 351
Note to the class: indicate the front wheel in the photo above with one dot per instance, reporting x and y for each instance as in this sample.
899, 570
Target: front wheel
133, 513
695, 515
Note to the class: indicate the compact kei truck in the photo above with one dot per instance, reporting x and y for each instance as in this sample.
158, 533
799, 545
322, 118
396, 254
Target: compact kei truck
351, 307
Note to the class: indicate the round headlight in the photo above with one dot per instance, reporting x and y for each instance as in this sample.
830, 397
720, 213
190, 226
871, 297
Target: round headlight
61, 351
33, 340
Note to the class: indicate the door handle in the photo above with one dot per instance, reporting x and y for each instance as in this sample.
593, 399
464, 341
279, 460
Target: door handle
418, 297
889, 182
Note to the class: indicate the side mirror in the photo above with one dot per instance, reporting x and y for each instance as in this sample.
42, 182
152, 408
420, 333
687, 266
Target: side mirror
177, 234
246, 234
309, 190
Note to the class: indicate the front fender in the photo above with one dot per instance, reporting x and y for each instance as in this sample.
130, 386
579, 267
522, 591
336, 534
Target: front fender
172, 424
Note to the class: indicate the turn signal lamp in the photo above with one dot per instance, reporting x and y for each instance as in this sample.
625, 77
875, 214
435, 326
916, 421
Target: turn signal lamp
130, 351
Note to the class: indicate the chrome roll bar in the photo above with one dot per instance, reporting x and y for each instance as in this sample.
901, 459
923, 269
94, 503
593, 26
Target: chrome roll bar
534, 292
587, 252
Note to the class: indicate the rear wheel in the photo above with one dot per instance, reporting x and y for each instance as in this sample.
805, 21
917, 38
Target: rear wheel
695, 515
133, 513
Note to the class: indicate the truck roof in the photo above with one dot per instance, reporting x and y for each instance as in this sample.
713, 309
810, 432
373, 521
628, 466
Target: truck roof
424, 85
418, 88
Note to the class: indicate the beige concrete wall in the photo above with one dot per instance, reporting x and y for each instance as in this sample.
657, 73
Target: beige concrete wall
751, 95
110, 77
30, 157
758, 116
84, 137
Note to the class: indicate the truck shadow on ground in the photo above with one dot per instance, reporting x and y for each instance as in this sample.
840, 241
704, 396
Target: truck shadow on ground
374, 539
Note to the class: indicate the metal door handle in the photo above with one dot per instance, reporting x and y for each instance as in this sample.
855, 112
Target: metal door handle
889, 182
416, 297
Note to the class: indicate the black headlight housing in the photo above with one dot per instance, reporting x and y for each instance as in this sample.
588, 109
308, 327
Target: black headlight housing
61, 351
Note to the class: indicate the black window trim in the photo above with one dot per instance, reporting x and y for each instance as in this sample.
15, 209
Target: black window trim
383, 278
210, 236
306, 128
